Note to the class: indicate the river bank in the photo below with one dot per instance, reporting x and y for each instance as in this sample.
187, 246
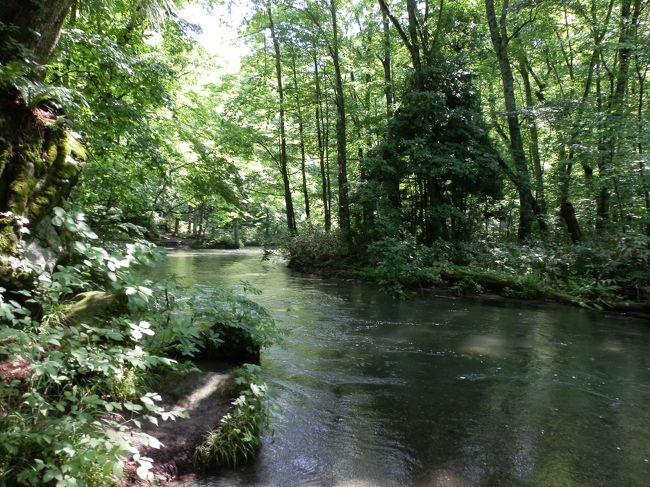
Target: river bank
205, 395
610, 278
454, 283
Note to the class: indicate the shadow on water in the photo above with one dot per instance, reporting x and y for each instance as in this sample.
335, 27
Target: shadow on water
438, 392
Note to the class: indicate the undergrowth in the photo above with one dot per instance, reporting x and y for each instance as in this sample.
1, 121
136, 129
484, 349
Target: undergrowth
87, 337
316, 249
238, 434
598, 274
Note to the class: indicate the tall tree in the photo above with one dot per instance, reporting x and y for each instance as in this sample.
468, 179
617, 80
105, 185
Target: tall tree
500, 40
386, 62
322, 140
614, 120
301, 134
288, 200
341, 132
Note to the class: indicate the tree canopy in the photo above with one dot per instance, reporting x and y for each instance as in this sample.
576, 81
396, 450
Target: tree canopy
484, 145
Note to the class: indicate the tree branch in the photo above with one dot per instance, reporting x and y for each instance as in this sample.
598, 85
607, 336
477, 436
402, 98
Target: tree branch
395, 22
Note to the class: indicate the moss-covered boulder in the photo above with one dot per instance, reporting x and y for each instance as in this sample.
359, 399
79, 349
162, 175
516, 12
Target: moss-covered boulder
93, 307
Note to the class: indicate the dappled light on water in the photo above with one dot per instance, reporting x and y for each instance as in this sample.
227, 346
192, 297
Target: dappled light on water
484, 345
428, 392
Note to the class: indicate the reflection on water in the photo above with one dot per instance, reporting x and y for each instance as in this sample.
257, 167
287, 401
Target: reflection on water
484, 345
438, 392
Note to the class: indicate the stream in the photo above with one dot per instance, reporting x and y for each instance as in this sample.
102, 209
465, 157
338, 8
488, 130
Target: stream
433, 391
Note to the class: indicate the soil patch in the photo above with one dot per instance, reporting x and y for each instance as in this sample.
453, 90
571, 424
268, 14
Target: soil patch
14, 369
205, 395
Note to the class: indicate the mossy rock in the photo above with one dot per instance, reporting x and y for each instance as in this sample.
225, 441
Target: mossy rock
93, 307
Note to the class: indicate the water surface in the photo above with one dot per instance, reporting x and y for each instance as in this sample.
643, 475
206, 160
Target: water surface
437, 391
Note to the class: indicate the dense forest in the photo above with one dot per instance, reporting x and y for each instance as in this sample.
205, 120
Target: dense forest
478, 146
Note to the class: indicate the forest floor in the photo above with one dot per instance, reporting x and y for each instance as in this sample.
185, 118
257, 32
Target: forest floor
206, 396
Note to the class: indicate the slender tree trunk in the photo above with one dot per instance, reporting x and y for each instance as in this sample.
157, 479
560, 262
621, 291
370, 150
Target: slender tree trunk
534, 143
72, 23
301, 133
328, 172
641, 69
341, 136
499, 36
386, 63
198, 218
235, 231
320, 134
411, 9
615, 118
567, 210
288, 201
603, 195
411, 39
645, 187
195, 220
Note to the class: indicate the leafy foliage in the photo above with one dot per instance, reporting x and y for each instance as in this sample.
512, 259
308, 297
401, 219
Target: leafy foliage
316, 248
397, 264
70, 417
238, 434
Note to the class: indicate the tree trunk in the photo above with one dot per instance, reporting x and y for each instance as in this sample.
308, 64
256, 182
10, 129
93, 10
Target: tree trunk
288, 201
645, 187
641, 68
569, 216
32, 29
328, 172
567, 210
341, 136
615, 118
499, 36
534, 143
195, 221
235, 231
320, 134
415, 43
39, 159
301, 133
386, 63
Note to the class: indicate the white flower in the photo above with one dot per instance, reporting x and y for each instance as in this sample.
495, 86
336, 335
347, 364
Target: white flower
240, 401
258, 390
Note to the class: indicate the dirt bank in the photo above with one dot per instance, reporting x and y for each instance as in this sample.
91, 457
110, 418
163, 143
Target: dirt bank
205, 395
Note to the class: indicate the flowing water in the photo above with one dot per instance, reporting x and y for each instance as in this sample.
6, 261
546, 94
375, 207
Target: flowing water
438, 391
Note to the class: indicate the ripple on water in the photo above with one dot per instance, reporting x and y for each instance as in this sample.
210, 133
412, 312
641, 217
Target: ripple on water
372, 392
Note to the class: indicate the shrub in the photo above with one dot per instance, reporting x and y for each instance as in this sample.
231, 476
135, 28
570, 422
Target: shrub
238, 434
396, 264
466, 286
315, 248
